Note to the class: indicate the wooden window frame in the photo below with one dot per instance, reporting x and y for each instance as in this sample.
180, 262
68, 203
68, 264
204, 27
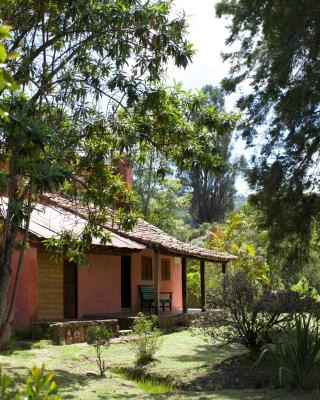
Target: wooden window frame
165, 269
146, 268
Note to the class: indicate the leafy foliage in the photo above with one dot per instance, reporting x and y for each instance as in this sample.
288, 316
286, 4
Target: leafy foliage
39, 386
99, 337
168, 209
213, 186
279, 59
251, 312
147, 338
6, 80
298, 353
241, 236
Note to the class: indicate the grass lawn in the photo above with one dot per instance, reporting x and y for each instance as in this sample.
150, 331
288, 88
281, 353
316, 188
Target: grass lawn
182, 360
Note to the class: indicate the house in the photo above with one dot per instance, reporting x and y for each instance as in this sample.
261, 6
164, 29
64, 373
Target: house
50, 291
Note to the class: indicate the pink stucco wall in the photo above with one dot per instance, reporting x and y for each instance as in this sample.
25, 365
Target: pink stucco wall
26, 304
174, 285
99, 286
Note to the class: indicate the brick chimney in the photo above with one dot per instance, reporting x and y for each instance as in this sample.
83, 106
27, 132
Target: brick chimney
123, 167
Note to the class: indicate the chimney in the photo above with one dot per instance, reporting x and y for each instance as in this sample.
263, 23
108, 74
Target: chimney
123, 167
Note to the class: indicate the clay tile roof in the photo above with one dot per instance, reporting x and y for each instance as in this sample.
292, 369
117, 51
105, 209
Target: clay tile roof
49, 220
145, 233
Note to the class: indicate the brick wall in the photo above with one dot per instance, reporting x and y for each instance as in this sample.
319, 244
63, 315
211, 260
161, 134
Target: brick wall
50, 287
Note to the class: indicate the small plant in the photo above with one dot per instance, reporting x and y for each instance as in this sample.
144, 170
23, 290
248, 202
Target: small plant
99, 337
39, 386
147, 340
297, 353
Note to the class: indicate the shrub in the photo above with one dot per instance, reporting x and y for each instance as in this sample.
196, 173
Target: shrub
39, 386
297, 354
99, 337
147, 340
251, 312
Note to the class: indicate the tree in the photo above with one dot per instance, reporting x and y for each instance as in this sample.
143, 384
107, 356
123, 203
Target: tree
71, 55
169, 209
6, 80
213, 187
278, 58
242, 236
149, 174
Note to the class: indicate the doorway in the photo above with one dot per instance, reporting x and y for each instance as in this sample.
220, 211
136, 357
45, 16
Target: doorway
70, 290
126, 282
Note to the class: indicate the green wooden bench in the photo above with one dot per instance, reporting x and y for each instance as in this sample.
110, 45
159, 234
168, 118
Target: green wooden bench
148, 296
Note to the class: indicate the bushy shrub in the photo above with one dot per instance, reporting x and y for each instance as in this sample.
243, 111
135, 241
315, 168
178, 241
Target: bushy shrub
99, 337
147, 338
297, 354
39, 386
250, 313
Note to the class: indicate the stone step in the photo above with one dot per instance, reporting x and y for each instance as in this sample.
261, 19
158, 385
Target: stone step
125, 332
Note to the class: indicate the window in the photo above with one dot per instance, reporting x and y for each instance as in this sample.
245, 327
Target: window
146, 271
165, 270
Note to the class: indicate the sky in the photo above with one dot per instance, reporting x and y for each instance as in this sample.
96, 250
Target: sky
208, 34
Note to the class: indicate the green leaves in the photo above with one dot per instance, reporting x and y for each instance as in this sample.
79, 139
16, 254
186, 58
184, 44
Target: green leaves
39, 385
278, 59
99, 336
6, 80
297, 354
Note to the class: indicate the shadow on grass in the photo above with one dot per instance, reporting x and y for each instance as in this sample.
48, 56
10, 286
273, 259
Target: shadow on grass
209, 353
68, 382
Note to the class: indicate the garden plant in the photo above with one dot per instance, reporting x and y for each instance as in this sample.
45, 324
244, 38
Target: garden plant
147, 338
99, 337
39, 385
251, 312
297, 353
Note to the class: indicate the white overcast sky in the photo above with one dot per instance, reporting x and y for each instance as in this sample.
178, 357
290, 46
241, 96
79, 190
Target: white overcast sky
208, 34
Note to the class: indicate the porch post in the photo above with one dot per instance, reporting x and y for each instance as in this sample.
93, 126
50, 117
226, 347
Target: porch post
203, 284
156, 281
184, 284
224, 267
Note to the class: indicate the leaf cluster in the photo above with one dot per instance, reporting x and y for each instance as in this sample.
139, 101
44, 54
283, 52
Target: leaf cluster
39, 385
146, 338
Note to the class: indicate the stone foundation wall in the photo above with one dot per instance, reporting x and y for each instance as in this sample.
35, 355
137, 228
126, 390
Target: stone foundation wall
70, 332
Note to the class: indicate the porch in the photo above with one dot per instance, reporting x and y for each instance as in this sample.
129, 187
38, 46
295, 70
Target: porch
74, 331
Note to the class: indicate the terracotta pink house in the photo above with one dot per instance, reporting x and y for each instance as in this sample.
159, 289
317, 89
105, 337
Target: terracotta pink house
109, 285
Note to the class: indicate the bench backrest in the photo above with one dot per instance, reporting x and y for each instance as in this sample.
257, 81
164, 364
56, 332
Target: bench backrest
147, 292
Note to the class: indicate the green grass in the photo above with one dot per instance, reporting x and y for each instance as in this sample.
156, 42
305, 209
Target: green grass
181, 359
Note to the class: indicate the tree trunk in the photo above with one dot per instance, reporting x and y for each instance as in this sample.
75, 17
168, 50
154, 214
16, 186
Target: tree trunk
5, 279
11, 228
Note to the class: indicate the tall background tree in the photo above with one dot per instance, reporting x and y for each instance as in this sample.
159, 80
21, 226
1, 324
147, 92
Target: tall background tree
203, 189
213, 186
278, 58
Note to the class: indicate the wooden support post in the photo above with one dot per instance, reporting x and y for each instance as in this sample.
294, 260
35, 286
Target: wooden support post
184, 285
156, 279
203, 285
224, 267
